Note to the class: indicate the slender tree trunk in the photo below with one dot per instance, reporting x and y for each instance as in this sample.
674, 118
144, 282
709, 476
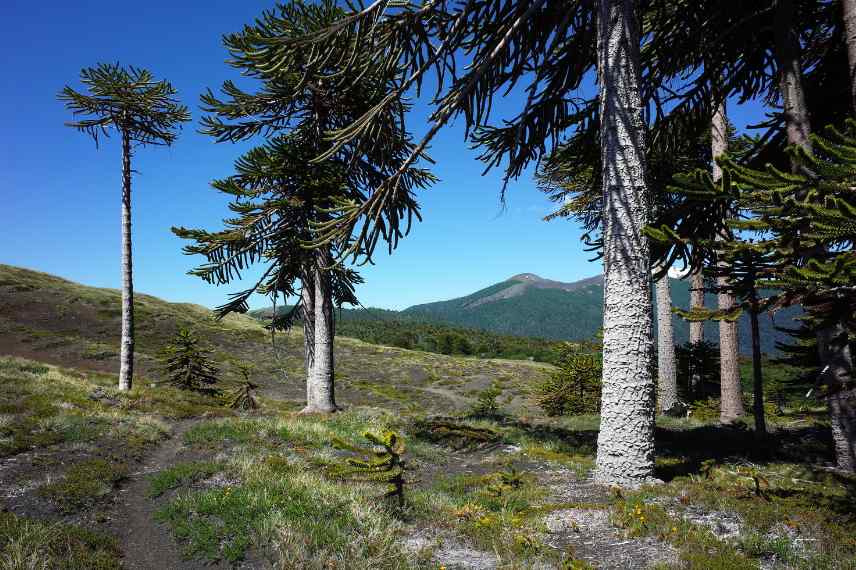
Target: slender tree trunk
321, 392
696, 302
696, 327
849, 16
126, 358
667, 387
307, 301
832, 336
757, 375
797, 122
625, 453
731, 392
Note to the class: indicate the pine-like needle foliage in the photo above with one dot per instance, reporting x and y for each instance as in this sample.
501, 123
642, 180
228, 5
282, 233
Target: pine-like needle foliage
186, 364
129, 100
381, 464
575, 387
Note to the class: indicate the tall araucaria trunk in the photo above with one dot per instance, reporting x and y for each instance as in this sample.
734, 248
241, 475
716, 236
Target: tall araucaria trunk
696, 327
307, 302
625, 452
667, 387
842, 403
321, 391
757, 376
834, 348
832, 335
696, 302
731, 392
849, 16
126, 357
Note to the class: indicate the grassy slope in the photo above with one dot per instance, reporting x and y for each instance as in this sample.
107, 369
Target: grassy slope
54, 320
256, 486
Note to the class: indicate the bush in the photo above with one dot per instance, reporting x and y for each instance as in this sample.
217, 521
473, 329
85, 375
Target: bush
187, 365
486, 404
575, 387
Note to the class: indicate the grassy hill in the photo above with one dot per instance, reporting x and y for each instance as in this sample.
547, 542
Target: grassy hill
53, 320
528, 305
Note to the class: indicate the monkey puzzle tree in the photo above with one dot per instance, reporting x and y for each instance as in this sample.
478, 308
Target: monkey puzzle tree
811, 216
142, 111
277, 193
297, 104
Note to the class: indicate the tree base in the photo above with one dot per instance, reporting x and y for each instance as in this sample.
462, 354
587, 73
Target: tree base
307, 410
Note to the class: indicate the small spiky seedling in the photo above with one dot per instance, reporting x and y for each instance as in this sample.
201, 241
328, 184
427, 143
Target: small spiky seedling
187, 365
242, 397
381, 464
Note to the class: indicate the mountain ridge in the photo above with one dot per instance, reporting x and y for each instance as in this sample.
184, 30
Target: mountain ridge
527, 304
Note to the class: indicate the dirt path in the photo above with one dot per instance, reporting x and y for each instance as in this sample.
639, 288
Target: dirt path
145, 543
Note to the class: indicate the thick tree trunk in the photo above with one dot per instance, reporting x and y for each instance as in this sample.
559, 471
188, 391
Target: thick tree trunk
757, 376
307, 301
849, 16
625, 453
126, 357
321, 392
696, 327
834, 348
731, 392
667, 387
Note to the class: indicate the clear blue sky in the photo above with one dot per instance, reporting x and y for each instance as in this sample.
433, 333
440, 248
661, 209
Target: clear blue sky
59, 211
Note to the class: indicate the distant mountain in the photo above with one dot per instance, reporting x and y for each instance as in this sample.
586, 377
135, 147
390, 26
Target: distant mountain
529, 305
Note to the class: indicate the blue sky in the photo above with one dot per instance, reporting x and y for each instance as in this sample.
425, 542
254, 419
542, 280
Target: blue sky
60, 195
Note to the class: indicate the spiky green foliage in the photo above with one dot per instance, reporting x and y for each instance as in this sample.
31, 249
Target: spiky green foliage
129, 100
381, 464
486, 404
243, 396
575, 387
697, 360
186, 364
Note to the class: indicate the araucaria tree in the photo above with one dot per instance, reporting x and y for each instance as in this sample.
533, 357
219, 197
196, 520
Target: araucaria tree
547, 48
188, 365
287, 191
144, 112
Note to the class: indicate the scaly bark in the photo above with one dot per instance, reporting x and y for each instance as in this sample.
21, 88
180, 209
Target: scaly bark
849, 17
321, 391
731, 393
126, 357
696, 327
307, 302
832, 336
667, 387
757, 375
625, 452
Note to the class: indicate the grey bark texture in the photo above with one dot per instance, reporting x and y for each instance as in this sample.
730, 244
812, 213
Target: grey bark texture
834, 347
696, 327
731, 392
667, 384
307, 303
849, 16
842, 404
625, 452
320, 389
832, 336
696, 302
126, 356
797, 122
